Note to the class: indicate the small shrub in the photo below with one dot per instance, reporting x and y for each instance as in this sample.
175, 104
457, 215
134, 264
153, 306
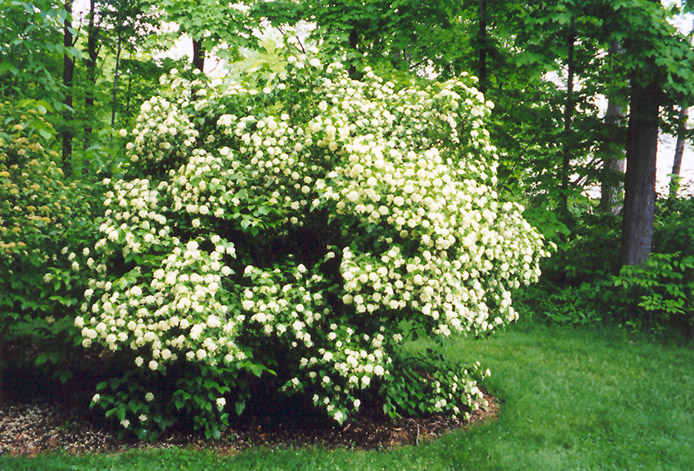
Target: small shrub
660, 292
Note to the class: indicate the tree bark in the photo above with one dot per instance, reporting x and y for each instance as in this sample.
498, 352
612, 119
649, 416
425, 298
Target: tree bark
482, 42
198, 55
353, 43
90, 66
68, 72
114, 103
639, 189
612, 166
679, 151
568, 116
614, 163
130, 85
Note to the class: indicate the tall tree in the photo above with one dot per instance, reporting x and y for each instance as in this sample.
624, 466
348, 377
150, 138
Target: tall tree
128, 22
660, 61
641, 151
404, 37
32, 51
613, 161
198, 55
568, 114
679, 151
209, 23
93, 46
68, 73
482, 45
612, 145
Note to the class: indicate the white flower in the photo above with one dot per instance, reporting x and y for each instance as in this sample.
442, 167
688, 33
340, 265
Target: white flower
149, 397
221, 402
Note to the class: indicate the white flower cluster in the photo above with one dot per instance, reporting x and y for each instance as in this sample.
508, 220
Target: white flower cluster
163, 134
133, 219
397, 184
171, 304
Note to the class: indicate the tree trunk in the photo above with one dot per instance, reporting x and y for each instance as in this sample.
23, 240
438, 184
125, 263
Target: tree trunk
68, 72
90, 66
679, 151
198, 55
482, 42
568, 116
613, 151
353, 43
612, 166
130, 85
119, 48
639, 189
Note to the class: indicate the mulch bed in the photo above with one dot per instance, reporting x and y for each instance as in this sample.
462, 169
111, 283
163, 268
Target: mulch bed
39, 425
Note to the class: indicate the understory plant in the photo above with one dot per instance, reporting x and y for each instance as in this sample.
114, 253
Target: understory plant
293, 229
583, 284
45, 231
660, 291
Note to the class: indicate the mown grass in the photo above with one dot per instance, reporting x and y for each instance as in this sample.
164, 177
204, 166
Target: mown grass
571, 400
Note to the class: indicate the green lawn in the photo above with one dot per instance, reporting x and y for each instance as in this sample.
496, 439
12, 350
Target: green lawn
571, 400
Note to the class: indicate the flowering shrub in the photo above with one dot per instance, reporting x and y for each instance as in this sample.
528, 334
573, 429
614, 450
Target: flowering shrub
295, 233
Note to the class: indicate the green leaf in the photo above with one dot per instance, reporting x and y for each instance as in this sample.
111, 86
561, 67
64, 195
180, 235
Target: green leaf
65, 376
256, 369
179, 402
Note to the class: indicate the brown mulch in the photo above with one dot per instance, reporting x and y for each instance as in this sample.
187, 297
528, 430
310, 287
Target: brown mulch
41, 425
